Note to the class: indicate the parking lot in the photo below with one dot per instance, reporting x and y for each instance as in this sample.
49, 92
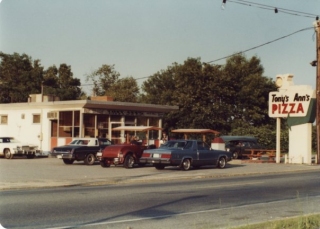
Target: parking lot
20, 173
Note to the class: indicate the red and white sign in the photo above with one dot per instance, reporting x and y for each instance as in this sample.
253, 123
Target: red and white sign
293, 103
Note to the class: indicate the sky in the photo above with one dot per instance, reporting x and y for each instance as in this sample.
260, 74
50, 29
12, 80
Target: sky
143, 37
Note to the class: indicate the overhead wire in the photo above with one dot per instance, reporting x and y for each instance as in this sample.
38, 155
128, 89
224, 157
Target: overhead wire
258, 46
273, 8
265, 7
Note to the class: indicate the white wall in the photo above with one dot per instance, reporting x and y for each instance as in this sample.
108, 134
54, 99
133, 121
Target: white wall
24, 130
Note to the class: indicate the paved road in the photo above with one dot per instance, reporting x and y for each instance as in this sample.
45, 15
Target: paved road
22, 173
187, 204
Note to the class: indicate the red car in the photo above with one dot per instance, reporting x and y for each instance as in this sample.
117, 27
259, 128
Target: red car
126, 154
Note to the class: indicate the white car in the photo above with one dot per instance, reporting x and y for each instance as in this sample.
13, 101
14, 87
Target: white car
10, 147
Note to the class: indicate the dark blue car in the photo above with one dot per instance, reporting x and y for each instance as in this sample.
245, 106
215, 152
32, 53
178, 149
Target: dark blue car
185, 154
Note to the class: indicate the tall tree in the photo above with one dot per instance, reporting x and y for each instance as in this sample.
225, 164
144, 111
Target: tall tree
19, 77
60, 82
125, 90
209, 96
103, 79
106, 81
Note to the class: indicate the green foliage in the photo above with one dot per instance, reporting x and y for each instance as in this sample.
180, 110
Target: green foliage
125, 90
60, 82
106, 82
20, 76
103, 79
222, 98
300, 222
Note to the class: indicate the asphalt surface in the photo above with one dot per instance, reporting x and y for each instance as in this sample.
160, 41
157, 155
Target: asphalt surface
21, 173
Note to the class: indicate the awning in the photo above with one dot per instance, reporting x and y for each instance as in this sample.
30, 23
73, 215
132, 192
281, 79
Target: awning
136, 128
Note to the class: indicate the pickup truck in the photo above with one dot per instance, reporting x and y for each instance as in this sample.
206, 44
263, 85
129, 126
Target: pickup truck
185, 154
80, 149
10, 147
122, 154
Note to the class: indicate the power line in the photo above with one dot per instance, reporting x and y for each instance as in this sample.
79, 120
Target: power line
269, 42
273, 8
255, 47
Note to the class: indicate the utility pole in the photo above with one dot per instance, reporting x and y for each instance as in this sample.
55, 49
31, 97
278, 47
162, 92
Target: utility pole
317, 30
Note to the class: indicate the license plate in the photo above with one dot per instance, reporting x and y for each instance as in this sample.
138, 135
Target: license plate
156, 155
99, 154
59, 156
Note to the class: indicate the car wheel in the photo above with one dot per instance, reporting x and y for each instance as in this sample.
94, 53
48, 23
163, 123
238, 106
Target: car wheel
129, 162
235, 155
186, 164
222, 162
90, 159
104, 164
68, 161
159, 167
8, 154
31, 156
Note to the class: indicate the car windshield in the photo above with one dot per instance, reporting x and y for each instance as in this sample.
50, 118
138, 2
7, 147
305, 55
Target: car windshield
173, 144
79, 142
8, 140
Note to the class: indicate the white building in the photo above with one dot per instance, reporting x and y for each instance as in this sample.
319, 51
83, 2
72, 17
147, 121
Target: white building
48, 122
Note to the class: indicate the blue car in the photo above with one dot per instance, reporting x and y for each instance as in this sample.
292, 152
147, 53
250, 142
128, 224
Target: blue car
185, 154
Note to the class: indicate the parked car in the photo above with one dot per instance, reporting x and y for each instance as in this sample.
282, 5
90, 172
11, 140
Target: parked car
185, 154
10, 147
81, 149
129, 153
238, 145
122, 154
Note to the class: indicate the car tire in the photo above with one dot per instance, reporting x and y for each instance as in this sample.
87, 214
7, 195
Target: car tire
104, 164
90, 159
186, 164
235, 155
31, 156
8, 154
142, 164
222, 163
159, 167
68, 161
129, 161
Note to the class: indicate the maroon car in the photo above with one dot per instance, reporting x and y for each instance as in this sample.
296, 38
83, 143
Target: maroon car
126, 154
122, 154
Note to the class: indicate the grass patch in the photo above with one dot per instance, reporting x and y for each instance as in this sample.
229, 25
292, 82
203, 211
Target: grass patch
299, 222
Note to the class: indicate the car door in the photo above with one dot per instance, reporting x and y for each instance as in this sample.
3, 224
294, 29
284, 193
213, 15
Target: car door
206, 156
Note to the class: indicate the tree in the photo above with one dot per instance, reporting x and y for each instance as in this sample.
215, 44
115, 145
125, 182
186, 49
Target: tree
19, 77
125, 90
60, 82
106, 81
103, 79
214, 97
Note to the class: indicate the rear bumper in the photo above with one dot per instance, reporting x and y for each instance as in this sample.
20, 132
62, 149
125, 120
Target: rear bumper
65, 156
155, 161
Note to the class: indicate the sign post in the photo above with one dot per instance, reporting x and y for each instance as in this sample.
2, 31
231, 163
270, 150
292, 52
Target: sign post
297, 104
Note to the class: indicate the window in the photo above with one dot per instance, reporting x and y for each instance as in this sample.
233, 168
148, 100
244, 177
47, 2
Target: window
3, 119
36, 118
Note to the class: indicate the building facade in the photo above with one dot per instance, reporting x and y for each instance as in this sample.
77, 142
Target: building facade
48, 122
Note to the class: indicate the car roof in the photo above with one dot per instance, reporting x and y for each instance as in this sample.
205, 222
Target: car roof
228, 138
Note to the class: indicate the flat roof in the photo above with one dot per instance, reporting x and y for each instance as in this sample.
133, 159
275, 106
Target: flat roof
91, 104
